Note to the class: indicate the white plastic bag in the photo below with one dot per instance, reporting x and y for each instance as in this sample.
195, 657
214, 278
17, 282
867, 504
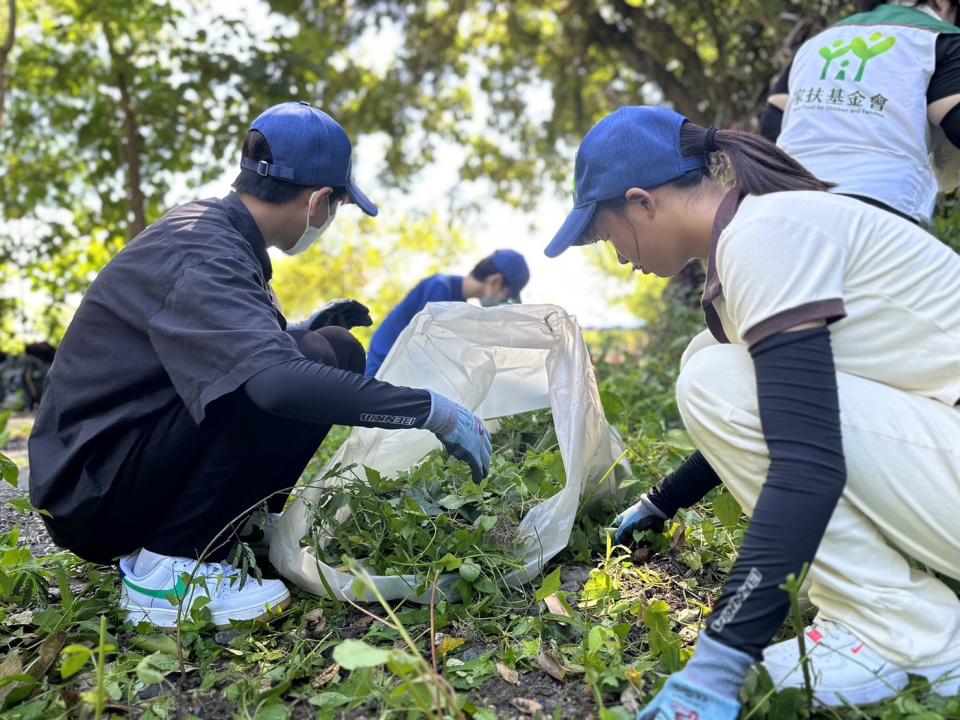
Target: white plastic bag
497, 362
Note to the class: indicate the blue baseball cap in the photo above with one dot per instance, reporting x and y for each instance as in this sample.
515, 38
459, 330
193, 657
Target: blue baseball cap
309, 148
635, 146
514, 270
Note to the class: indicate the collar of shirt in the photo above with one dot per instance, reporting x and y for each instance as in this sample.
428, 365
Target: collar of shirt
243, 221
456, 287
712, 288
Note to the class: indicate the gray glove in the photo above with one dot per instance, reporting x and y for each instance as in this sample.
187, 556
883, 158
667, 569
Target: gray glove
462, 433
642, 515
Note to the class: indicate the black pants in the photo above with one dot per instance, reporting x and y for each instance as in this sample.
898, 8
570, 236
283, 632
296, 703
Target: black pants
183, 484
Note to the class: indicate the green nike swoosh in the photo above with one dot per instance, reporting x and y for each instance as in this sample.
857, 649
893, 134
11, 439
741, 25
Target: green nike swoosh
180, 589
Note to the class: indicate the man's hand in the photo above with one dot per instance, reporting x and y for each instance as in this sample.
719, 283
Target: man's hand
642, 515
342, 313
462, 433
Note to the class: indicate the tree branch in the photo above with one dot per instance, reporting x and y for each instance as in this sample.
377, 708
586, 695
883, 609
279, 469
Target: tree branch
650, 27
5, 50
646, 63
131, 145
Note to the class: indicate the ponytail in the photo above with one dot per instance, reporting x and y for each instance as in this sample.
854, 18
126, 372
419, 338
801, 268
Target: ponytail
757, 165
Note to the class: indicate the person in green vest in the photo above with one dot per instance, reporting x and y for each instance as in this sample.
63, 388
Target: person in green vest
866, 103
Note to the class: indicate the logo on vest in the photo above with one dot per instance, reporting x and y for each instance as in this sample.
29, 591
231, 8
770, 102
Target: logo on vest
838, 97
859, 47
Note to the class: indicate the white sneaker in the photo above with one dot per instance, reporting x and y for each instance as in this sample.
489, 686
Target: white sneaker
844, 671
258, 532
147, 597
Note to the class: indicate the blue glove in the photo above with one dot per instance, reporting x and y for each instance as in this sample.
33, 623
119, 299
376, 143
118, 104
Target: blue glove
643, 515
708, 688
462, 433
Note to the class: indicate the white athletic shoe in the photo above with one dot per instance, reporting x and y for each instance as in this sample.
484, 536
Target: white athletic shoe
844, 670
148, 597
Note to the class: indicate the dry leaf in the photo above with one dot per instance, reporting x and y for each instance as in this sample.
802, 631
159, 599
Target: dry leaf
555, 606
49, 652
630, 699
527, 707
679, 538
511, 676
314, 621
11, 665
551, 666
326, 677
24, 617
448, 645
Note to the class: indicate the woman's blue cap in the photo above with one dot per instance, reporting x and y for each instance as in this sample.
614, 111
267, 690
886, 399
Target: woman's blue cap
309, 148
635, 146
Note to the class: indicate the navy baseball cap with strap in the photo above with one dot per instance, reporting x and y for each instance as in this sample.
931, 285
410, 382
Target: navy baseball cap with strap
635, 146
309, 148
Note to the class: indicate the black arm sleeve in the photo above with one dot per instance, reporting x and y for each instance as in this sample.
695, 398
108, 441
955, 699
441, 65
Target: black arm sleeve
770, 122
800, 416
318, 393
951, 126
782, 85
772, 117
684, 486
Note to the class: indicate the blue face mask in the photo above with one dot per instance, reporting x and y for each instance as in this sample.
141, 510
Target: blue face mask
492, 302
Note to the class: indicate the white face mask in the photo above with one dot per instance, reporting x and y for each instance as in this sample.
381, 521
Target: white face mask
311, 234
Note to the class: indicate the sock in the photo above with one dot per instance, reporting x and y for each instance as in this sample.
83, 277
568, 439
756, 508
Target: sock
146, 561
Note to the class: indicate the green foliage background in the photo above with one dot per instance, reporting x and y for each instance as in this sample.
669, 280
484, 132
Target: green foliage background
112, 112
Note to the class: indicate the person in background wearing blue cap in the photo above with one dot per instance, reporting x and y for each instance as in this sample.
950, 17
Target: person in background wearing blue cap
178, 398
495, 280
815, 303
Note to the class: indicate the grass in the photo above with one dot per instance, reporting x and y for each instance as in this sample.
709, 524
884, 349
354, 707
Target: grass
595, 637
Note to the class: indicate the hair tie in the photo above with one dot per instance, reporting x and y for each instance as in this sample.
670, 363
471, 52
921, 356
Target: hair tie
710, 142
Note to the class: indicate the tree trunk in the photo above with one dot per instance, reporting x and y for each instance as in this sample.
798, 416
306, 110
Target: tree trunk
130, 144
5, 50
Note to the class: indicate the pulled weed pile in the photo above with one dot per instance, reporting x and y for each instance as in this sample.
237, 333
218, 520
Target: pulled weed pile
435, 518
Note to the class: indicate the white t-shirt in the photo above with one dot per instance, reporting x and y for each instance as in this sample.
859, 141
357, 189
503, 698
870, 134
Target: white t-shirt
890, 290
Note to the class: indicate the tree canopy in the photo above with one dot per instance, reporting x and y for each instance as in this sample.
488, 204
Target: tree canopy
111, 112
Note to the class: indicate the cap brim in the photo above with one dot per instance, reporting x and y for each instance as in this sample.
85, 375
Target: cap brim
571, 230
362, 201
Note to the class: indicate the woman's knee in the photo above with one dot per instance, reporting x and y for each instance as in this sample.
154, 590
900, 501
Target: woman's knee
713, 380
334, 346
700, 341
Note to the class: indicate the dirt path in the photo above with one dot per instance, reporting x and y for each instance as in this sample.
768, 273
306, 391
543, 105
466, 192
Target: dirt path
32, 530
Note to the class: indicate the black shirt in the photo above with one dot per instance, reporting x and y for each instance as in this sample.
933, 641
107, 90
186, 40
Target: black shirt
181, 316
